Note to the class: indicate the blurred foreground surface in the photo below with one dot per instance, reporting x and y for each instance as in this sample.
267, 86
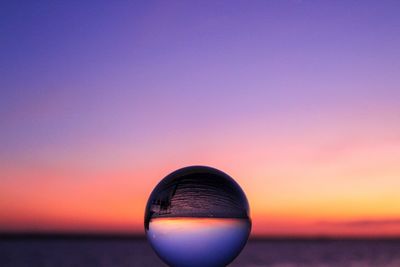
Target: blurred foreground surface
137, 252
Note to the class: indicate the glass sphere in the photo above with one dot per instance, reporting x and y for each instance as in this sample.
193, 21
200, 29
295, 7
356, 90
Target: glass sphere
197, 216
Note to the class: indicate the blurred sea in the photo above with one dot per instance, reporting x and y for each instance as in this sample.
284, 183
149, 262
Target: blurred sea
137, 252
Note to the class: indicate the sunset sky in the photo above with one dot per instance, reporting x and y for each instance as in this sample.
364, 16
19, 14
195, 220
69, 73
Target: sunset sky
299, 101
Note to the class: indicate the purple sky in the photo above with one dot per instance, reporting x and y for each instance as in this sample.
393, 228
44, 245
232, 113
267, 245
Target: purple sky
132, 84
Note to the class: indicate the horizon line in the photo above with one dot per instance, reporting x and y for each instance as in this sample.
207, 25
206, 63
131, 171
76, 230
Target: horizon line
52, 235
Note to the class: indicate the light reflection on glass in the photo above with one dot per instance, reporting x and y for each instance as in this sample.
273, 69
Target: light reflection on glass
198, 241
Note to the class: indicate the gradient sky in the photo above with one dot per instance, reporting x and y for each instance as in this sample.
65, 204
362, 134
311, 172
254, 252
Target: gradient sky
299, 101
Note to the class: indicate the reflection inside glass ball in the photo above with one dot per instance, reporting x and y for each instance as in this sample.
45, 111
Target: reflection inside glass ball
197, 216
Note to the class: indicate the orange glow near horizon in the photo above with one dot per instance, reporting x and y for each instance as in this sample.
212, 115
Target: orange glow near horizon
286, 195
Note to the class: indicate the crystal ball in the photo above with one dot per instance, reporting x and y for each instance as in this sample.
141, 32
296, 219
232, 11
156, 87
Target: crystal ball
197, 216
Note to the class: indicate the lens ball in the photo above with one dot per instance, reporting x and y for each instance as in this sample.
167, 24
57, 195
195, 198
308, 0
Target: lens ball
197, 216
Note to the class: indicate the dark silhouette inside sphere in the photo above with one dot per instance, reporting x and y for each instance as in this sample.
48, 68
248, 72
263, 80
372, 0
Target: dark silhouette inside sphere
197, 191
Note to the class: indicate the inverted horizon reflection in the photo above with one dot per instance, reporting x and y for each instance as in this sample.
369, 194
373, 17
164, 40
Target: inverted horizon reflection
195, 241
